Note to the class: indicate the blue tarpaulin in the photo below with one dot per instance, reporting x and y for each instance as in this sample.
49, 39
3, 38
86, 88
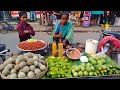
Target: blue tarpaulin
97, 12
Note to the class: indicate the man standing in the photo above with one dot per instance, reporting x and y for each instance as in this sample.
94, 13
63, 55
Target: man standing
117, 18
1, 15
112, 17
33, 15
106, 17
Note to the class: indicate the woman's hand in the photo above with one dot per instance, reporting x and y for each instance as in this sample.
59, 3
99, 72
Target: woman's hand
60, 35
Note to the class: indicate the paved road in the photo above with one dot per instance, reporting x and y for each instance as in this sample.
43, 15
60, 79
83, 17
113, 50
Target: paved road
94, 28
11, 39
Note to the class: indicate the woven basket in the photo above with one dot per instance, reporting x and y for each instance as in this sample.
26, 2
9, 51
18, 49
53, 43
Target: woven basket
36, 76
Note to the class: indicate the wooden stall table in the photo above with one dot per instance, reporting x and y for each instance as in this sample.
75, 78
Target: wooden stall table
75, 45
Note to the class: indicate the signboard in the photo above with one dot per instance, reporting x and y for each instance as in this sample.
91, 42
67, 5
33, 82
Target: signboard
15, 13
97, 12
38, 14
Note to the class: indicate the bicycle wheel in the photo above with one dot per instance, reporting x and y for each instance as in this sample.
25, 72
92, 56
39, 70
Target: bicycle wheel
1, 26
2, 30
8, 26
49, 29
3, 57
15, 29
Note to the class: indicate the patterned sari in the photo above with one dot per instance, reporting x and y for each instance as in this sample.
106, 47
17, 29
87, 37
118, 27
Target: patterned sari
67, 32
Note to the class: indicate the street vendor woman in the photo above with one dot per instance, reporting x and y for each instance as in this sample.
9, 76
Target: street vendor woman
25, 30
63, 29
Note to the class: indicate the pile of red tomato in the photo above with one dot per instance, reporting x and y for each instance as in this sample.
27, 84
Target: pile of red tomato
31, 45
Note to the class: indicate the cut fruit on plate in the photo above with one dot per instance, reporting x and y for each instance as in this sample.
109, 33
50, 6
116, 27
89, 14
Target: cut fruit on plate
32, 40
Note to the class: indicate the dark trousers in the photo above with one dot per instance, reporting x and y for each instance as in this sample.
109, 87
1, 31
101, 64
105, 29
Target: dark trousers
101, 19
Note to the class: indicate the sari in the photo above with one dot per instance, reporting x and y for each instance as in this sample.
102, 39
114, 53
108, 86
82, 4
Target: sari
67, 32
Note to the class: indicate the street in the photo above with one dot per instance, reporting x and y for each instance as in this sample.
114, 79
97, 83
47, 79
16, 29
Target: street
11, 39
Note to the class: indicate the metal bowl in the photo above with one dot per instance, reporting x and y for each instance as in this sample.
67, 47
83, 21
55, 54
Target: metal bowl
33, 50
70, 51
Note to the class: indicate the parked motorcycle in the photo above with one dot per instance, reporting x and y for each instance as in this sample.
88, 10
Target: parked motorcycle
109, 42
3, 53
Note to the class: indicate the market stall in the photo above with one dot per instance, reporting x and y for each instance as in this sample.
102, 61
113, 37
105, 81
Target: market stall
40, 60
96, 17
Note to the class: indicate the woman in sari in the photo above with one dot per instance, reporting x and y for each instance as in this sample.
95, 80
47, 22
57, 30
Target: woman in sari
63, 30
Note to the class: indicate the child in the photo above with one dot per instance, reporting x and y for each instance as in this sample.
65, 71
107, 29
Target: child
63, 30
24, 29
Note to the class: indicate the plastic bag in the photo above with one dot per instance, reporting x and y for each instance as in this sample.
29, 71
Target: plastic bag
83, 59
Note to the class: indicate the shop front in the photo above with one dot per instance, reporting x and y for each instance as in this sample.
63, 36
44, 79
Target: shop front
96, 17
